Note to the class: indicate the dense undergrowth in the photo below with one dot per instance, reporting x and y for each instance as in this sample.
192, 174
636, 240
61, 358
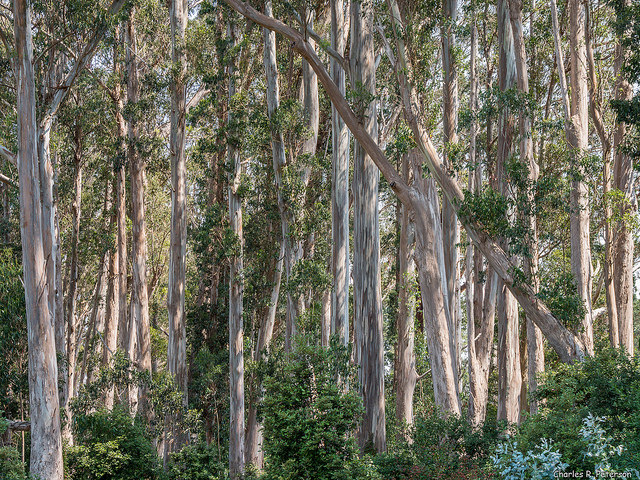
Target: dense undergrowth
589, 420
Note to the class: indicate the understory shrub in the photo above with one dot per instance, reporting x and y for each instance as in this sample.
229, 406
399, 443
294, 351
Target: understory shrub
310, 416
606, 386
110, 445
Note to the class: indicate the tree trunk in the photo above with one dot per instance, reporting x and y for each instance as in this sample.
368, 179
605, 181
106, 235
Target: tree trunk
481, 284
177, 344
624, 183
367, 295
254, 454
450, 227
580, 212
535, 348
236, 287
46, 439
72, 296
139, 294
509, 375
405, 374
111, 310
340, 189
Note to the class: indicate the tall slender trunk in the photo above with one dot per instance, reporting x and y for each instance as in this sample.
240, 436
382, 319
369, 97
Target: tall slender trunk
46, 439
177, 344
450, 227
111, 307
140, 298
509, 374
236, 287
481, 295
580, 210
623, 182
405, 375
367, 295
340, 189
535, 349
72, 295
254, 453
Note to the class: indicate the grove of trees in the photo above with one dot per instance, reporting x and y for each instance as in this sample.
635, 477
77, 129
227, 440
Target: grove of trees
318, 239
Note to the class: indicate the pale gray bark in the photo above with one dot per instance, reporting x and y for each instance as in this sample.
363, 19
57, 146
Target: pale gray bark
405, 375
535, 348
509, 374
177, 343
340, 188
140, 299
46, 439
450, 227
481, 295
367, 294
236, 287
577, 133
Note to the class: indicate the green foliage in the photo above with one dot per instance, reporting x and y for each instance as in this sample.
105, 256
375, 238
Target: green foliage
606, 386
196, 462
111, 445
11, 466
560, 294
14, 386
540, 463
310, 416
441, 447
488, 209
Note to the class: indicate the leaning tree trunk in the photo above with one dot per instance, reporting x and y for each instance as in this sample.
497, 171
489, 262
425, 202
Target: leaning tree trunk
367, 295
339, 189
177, 344
509, 374
46, 439
236, 334
535, 348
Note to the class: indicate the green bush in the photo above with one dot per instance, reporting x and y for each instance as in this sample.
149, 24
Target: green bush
606, 386
310, 417
197, 462
441, 447
11, 466
111, 446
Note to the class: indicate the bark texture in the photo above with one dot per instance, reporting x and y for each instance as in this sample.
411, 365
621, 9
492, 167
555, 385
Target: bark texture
367, 294
46, 439
177, 344
236, 287
340, 188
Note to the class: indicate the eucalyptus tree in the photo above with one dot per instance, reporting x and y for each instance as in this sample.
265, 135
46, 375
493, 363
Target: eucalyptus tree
46, 439
177, 344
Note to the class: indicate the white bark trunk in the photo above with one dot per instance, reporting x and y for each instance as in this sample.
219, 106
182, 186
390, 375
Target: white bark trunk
367, 294
46, 439
177, 343
340, 189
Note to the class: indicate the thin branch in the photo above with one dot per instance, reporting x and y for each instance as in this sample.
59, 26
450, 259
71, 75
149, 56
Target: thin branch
8, 155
